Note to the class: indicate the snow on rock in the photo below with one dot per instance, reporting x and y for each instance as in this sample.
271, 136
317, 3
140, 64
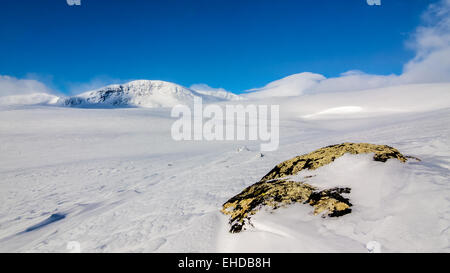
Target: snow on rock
394, 206
277, 189
280, 193
326, 155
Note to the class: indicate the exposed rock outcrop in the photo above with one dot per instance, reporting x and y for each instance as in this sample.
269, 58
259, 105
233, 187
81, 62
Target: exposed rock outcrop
276, 190
278, 193
326, 155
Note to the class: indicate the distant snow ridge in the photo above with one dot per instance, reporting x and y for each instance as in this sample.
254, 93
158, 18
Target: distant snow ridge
143, 93
220, 94
30, 99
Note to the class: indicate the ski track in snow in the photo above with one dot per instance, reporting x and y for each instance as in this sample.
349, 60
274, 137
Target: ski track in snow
123, 184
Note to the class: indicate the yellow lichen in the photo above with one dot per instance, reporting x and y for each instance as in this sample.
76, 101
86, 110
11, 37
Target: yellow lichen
326, 155
279, 193
274, 190
330, 205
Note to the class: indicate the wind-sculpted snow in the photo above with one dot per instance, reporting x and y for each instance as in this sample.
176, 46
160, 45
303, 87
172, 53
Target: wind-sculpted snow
53, 218
124, 185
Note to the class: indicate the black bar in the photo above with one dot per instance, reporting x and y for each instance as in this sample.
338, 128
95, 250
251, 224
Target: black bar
219, 262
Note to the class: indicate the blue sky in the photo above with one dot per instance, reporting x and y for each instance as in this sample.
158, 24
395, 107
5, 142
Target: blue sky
236, 45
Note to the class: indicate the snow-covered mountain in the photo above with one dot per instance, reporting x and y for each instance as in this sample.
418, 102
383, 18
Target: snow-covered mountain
144, 93
293, 85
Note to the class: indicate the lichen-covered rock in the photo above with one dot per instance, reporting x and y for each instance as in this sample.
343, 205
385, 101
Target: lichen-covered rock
326, 155
276, 190
278, 193
330, 200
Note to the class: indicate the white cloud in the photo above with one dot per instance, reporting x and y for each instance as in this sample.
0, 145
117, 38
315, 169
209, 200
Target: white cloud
431, 64
351, 81
10, 86
431, 43
94, 84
